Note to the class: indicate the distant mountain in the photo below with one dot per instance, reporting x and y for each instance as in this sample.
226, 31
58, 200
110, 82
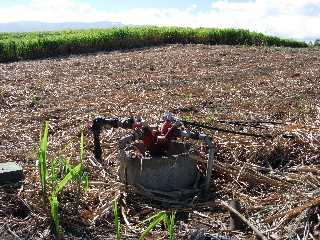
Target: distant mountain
44, 26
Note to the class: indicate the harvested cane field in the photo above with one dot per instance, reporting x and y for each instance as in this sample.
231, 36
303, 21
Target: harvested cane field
273, 92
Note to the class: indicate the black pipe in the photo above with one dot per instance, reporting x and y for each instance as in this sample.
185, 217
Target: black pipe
251, 124
200, 125
96, 128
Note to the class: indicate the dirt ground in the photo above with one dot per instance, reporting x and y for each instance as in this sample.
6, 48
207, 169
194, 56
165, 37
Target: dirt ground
208, 84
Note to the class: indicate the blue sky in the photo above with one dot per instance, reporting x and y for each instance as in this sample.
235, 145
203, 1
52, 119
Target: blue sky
111, 5
129, 4
299, 19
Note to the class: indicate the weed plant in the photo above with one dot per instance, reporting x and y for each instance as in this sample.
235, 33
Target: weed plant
68, 174
167, 219
161, 217
42, 159
77, 173
117, 224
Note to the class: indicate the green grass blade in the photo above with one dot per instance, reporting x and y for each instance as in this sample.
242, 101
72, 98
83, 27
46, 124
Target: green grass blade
54, 214
152, 217
156, 219
169, 221
85, 182
66, 167
116, 219
42, 156
74, 172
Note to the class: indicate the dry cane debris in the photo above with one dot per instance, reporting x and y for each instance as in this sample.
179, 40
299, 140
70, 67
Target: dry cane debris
276, 179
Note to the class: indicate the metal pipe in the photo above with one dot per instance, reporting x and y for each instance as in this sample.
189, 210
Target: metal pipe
97, 126
200, 125
211, 154
124, 141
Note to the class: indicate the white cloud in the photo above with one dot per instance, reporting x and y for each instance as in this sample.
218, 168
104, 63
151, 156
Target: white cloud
52, 11
288, 18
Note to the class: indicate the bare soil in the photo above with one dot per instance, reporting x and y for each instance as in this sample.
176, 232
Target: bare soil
198, 82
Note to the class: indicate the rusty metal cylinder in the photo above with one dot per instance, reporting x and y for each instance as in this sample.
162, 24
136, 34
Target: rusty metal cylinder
175, 170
